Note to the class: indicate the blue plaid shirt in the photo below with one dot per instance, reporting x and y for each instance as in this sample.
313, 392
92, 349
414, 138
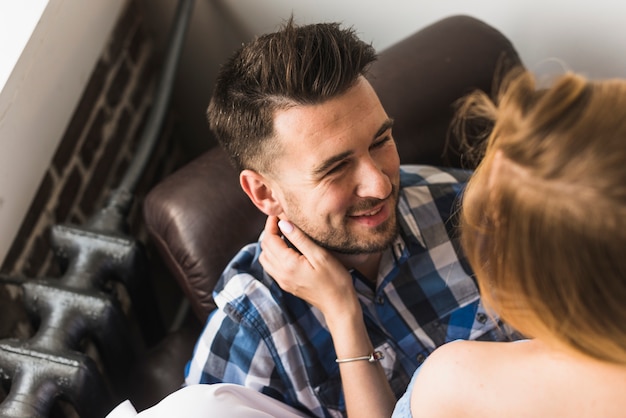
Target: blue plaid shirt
277, 344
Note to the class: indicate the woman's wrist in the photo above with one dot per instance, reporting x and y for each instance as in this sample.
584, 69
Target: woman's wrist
347, 318
350, 337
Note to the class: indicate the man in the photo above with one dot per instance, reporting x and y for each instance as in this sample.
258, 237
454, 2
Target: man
314, 146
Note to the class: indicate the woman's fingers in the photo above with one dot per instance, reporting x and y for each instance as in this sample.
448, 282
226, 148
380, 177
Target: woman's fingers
275, 249
308, 271
316, 256
287, 266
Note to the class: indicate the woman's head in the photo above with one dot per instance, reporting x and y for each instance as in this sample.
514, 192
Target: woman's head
544, 216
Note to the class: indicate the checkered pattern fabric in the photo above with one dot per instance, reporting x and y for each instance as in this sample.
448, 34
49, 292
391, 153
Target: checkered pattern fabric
277, 344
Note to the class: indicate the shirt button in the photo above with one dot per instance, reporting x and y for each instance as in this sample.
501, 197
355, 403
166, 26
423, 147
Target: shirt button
481, 317
380, 300
420, 358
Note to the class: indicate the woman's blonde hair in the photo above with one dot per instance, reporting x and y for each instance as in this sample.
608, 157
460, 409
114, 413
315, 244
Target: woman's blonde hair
544, 216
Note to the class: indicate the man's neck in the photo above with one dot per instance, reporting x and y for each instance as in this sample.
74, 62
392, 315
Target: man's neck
366, 264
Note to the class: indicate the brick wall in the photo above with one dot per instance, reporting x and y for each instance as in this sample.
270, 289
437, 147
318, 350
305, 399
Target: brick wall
92, 157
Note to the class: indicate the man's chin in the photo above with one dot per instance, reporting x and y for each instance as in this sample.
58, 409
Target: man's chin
373, 249
361, 245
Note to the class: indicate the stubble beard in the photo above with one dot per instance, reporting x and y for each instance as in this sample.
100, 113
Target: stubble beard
343, 241
353, 245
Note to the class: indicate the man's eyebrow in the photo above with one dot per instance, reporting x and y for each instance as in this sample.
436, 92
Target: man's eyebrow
327, 164
385, 126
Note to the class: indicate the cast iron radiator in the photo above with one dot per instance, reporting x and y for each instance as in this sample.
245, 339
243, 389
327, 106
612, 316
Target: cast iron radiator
84, 305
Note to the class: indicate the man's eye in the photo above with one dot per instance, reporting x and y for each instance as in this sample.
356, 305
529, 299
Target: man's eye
337, 168
382, 142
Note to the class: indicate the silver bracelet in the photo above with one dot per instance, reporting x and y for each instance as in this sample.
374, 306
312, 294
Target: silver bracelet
375, 356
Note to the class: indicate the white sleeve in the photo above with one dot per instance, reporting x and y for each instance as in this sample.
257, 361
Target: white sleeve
220, 399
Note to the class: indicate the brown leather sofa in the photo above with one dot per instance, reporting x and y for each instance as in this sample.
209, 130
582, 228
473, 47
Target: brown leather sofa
198, 217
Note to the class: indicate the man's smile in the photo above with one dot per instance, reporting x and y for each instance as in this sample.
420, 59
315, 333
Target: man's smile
373, 217
370, 212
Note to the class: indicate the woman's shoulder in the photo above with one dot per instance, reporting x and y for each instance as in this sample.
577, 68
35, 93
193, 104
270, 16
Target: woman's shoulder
464, 358
451, 375
494, 379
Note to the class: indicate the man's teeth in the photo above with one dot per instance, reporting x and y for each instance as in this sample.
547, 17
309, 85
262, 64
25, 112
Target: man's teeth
372, 213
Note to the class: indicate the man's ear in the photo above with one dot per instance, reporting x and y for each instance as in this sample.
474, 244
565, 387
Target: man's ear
260, 191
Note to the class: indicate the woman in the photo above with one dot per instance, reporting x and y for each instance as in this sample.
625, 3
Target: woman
543, 224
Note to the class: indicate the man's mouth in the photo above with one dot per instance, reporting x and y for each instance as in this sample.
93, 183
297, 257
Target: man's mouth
371, 217
370, 213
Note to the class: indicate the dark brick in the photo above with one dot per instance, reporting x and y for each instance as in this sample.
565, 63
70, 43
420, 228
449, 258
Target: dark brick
15, 321
122, 166
65, 150
92, 92
136, 131
53, 270
68, 195
137, 43
113, 152
162, 153
28, 224
136, 136
37, 256
143, 83
115, 144
93, 139
109, 156
95, 190
119, 84
89, 199
123, 28
122, 128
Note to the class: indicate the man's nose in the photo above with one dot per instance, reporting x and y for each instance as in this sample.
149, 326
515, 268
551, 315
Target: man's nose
372, 182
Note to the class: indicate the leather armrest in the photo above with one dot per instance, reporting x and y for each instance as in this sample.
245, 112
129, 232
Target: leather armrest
199, 218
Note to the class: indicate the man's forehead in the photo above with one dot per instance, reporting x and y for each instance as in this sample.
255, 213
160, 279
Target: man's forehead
348, 106
302, 151
311, 133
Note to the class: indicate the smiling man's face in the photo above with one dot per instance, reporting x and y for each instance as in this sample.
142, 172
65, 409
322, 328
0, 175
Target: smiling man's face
337, 175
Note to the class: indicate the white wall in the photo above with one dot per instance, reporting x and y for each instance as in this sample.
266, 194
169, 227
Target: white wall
40, 96
589, 36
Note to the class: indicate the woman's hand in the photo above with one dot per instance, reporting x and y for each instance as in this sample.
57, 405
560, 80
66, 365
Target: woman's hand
312, 274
